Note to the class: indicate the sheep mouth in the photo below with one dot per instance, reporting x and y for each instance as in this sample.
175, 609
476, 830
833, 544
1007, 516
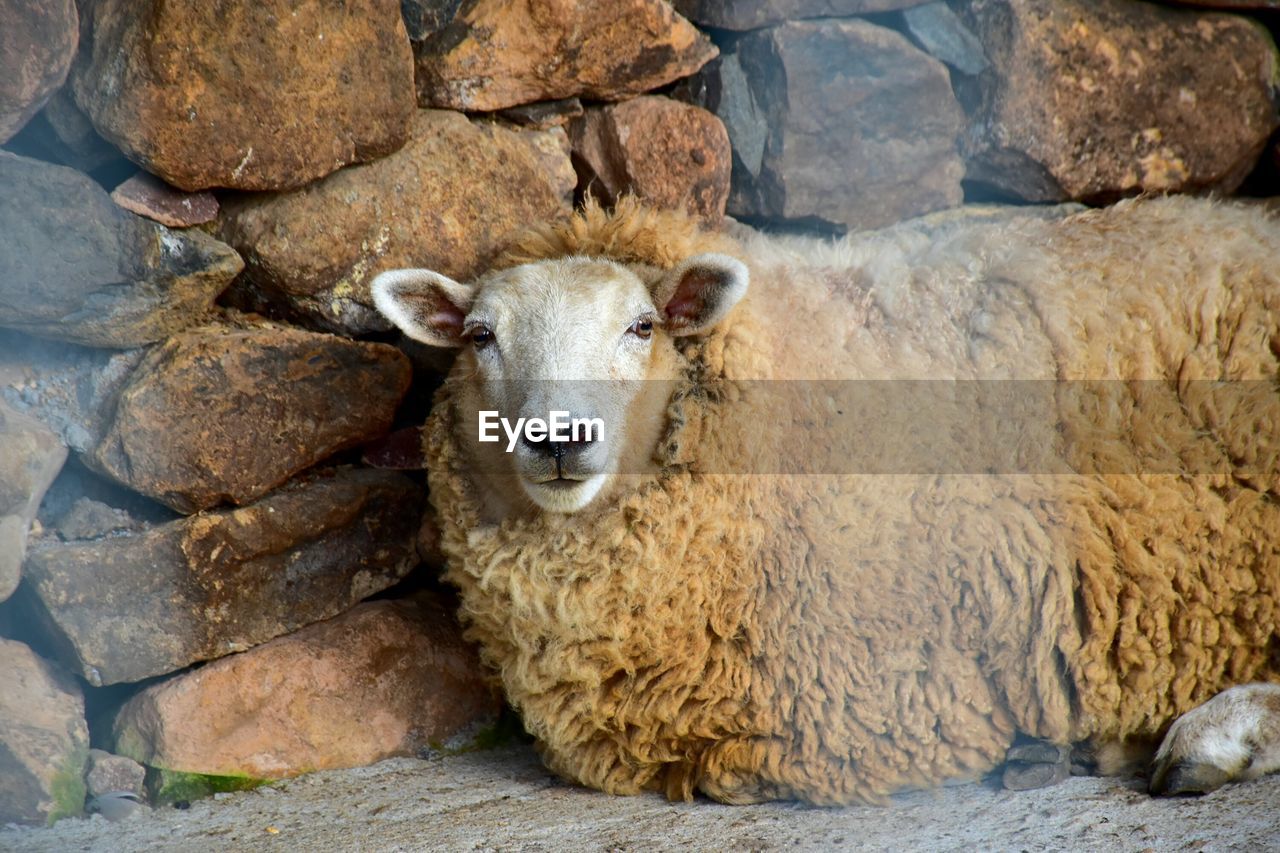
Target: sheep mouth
564, 494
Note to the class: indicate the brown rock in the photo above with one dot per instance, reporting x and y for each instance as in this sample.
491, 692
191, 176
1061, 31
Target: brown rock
109, 773
30, 458
497, 54
131, 607
78, 268
753, 14
388, 678
839, 121
224, 413
447, 201
260, 96
1093, 100
37, 43
44, 740
147, 195
669, 154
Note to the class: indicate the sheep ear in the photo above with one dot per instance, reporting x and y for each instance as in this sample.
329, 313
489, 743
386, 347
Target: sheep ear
425, 305
699, 292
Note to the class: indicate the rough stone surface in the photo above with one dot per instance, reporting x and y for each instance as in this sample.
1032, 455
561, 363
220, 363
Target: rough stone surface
77, 268
109, 773
147, 195
89, 519
62, 133
1093, 99
44, 740
497, 54
30, 458
836, 121
544, 115
131, 607
37, 44
941, 32
505, 800
387, 678
424, 17
669, 154
227, 413
754, 14
259, 96
447, 201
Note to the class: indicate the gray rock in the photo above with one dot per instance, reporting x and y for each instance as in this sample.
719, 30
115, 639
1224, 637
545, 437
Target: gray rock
946, 37
62, 133
229, 412
80, 269
426, 17
113, 774
44, 740
839, 122
754, 14
37, 44
30, 458
89, 519
131, 607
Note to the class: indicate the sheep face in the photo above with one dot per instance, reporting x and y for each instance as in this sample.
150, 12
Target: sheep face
582, 341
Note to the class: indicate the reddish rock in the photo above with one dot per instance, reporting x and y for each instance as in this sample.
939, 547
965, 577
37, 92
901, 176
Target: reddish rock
37, 44
497, 54
147, 195
227, 413
447, 200
78, 268
260, 96
44, 740
837, 121
388, 678
1094, 99
30, 458
754, 14
125, 608
669, 154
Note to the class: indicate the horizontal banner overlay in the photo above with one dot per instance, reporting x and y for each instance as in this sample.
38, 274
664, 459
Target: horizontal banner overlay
1188, 428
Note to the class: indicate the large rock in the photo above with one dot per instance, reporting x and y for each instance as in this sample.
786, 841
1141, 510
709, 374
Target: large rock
754, 14
78, 268
37, 43
30, 457
259, 96
447, 201
227, 413
669, 154
388, 678
497, 54
839, 121
129, 607
44, 741
1093, 99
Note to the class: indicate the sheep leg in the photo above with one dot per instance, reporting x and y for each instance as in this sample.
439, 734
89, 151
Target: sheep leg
1036, 764
1235, 736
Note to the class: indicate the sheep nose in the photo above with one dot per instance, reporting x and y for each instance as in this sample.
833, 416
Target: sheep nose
555, 449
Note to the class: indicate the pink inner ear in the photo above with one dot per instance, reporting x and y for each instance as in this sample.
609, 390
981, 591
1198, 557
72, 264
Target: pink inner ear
687, 301
447, 318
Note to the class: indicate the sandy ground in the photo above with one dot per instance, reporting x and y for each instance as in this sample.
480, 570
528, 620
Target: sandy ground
504, 800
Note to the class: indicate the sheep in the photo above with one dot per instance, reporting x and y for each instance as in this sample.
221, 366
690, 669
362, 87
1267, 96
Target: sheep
663, 621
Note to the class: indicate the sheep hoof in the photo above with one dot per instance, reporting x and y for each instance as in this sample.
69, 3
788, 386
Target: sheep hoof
1234, 736
1037, 764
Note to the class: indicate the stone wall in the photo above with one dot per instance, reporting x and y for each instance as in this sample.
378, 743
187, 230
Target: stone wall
213, 559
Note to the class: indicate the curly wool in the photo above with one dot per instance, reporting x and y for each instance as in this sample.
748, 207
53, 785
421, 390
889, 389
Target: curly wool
838, 638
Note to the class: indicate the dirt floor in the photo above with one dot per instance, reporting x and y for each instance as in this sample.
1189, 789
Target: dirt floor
504, 800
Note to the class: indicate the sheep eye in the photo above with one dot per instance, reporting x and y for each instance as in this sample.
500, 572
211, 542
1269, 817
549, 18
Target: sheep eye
641, 328
481, 337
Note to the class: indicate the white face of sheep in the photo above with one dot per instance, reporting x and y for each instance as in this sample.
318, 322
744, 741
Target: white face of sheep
573, 335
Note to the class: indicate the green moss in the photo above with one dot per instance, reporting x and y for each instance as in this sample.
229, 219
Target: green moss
174, 786
506, 729
67, 786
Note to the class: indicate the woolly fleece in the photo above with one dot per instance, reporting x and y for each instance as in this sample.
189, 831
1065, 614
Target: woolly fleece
838, 638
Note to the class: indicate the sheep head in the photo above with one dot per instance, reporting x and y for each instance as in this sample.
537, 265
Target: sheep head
589, 338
